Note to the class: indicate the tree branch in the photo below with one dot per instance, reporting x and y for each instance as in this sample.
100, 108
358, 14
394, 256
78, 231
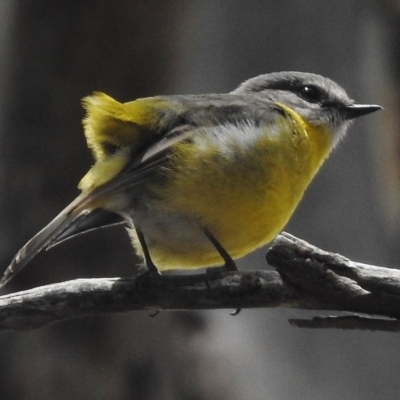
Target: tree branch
306, 278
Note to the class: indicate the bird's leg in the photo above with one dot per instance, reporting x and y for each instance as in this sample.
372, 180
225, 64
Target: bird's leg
151, 268
229, 263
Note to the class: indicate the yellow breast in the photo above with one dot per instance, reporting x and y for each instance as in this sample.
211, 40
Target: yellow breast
244, 191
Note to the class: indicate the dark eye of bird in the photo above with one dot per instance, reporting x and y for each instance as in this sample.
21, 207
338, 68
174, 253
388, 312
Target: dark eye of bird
310, 93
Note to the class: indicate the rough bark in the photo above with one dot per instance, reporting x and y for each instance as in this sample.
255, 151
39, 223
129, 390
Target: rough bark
305, 278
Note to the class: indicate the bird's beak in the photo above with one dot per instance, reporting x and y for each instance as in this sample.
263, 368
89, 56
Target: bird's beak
358, 110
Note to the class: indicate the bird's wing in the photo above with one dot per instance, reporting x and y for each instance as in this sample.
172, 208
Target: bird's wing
191, 115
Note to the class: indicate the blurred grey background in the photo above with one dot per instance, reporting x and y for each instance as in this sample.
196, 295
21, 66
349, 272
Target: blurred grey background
54, 53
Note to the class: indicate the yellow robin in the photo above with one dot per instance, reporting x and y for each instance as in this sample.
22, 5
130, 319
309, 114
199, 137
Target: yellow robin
201, 180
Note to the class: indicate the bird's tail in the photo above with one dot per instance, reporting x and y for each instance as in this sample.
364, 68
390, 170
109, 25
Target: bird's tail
75, 219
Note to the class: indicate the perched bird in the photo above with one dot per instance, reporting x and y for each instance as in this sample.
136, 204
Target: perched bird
202, 180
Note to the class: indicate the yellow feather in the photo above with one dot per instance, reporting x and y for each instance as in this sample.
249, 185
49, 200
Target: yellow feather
103, 171
109, 123
112, 127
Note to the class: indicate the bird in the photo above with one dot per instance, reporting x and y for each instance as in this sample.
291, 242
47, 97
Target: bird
202, 180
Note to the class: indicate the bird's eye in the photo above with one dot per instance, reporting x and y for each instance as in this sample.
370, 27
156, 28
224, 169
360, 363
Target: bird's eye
310, 93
